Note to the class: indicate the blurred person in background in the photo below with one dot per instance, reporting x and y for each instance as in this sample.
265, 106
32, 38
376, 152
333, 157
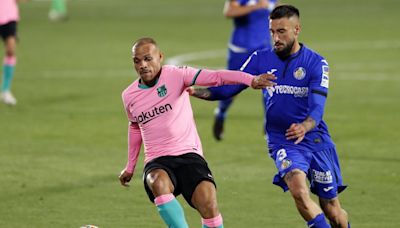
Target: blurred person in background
58, 10
250, 33
9, 17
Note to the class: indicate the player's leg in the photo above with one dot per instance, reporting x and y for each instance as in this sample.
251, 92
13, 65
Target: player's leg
199, 190
335, 213
308, 209
220, 115
162, 188
9, 63
327, 183
292, 166
204, 199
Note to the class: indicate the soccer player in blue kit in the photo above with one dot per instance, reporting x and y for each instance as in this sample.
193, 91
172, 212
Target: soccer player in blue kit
298, 138
250, 33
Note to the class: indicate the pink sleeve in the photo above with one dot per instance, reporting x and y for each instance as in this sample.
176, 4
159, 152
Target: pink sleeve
134, 144
206, 77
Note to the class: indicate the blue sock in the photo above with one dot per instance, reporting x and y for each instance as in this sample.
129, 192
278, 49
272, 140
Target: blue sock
318, 222
8, 73
172, 214
223, 107
221, 226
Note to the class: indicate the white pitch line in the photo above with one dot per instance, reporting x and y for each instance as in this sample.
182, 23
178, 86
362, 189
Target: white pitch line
180, 59
345, 45
125, 73
184, 59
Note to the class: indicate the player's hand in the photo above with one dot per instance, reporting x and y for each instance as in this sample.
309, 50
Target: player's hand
262, 81
190, 90
125, 177
296, 131
202, 93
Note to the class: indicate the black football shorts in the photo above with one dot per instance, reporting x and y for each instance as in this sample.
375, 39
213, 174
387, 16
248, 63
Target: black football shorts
9, 29
185, 171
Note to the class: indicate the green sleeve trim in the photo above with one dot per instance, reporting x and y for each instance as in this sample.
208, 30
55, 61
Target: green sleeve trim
144, 86
195, 77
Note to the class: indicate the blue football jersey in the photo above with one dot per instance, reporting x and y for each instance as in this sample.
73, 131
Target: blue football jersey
251, 31
301, 90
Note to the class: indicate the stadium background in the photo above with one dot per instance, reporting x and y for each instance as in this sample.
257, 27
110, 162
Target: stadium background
63, 145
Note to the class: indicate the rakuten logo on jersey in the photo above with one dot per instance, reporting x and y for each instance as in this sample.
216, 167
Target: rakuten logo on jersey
148, 116
286, 89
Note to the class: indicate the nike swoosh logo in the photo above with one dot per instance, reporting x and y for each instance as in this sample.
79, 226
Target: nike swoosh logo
328, 189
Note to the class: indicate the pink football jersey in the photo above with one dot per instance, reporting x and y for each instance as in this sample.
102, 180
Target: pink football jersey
161, 116
8, 11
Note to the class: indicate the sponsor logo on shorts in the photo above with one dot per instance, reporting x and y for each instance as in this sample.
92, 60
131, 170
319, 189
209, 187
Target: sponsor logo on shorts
327, 189
322, 177
286, 163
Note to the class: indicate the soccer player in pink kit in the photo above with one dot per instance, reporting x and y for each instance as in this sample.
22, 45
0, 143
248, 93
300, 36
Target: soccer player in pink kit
9, 17
160, 116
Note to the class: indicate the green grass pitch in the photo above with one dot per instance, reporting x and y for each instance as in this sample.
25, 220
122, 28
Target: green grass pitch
63, 145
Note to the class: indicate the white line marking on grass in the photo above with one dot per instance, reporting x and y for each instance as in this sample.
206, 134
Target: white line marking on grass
183, 59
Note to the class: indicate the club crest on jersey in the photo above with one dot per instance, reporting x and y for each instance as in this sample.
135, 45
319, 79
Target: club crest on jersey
299, 73
162, 91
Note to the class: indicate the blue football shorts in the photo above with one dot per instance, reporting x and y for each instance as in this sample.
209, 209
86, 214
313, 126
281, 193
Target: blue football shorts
322, 169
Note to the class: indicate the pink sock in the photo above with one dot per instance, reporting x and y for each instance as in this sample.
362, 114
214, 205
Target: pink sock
10, 60
213, 222
163, 199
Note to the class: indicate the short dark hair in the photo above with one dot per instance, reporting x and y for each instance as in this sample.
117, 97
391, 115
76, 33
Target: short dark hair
287, 11
143, 41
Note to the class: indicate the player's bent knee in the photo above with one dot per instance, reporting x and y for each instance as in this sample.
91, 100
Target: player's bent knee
159, 182
205, 200
208, 208
301, 195
332, 209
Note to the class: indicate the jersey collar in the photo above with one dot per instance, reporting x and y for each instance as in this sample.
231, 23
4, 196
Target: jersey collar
144, 86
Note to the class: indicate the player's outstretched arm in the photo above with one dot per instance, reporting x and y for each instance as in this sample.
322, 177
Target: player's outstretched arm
216, 93
263, 80
228, 91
